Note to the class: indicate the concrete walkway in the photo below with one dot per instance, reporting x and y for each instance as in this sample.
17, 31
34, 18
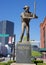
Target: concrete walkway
21, 64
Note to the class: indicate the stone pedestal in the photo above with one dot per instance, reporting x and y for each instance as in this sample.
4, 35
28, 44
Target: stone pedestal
23, 52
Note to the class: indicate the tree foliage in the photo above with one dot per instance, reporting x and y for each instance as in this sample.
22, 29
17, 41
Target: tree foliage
36, 54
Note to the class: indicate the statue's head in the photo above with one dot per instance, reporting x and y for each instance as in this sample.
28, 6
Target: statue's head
26, 8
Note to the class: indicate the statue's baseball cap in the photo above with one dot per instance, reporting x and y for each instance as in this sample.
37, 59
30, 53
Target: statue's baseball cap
26, 7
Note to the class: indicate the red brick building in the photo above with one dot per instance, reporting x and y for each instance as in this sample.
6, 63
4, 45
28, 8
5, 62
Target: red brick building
43, 34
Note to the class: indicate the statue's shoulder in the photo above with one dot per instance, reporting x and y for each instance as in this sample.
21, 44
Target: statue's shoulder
22, 13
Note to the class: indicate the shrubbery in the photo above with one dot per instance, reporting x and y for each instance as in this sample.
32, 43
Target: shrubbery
41, 64
9, 62
37, 61
6, 63
3, 63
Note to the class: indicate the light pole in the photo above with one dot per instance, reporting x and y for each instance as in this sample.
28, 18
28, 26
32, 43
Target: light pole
13, 41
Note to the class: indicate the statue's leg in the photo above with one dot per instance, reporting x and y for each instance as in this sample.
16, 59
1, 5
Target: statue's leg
27, 32
23, 29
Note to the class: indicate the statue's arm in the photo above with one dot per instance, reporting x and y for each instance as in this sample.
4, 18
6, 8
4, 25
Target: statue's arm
34, 16
25, 17
31, 17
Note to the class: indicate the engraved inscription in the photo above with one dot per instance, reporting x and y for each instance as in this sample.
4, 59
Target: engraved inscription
23, 47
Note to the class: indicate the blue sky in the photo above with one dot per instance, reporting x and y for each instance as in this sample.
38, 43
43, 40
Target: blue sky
11, 10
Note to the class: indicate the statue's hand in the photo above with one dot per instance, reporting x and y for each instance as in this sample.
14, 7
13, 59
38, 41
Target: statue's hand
34, 15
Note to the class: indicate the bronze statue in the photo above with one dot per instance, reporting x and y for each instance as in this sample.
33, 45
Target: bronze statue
26, 17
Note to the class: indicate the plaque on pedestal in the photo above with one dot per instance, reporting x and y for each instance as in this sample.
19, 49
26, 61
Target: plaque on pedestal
23, 52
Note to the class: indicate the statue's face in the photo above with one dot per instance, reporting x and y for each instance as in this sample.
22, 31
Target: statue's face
26, 9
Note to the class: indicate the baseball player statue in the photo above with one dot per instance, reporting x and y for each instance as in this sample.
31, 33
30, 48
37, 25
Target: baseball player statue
26, 16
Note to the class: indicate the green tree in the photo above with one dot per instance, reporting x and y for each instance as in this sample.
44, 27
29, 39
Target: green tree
36, 54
